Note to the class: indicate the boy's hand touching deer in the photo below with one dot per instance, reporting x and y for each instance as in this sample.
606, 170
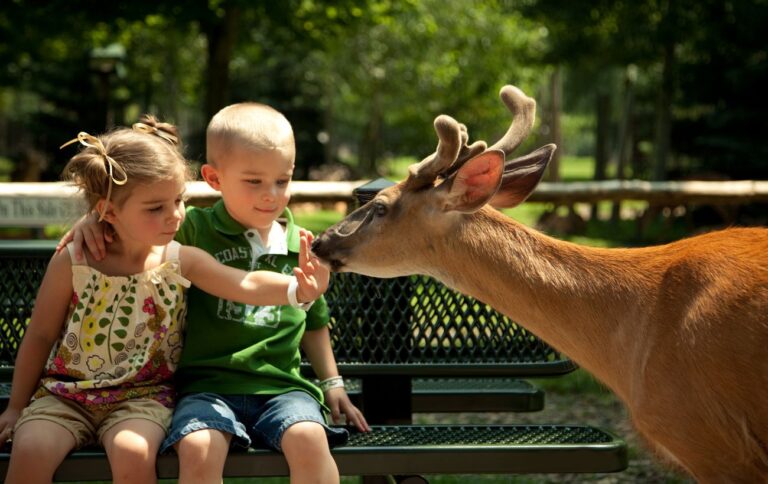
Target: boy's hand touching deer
312, 275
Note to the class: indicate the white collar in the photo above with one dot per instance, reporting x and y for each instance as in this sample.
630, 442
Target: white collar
277, 242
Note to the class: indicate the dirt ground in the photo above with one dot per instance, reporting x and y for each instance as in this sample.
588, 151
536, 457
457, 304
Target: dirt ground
599, 410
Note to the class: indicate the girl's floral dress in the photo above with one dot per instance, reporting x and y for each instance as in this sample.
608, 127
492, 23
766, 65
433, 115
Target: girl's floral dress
123, 336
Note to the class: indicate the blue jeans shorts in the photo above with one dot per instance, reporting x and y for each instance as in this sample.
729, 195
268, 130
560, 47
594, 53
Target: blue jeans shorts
252, 420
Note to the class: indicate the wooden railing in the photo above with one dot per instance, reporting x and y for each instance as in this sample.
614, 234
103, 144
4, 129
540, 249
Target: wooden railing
39, 204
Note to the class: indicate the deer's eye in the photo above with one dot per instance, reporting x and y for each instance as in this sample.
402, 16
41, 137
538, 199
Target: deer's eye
379, 209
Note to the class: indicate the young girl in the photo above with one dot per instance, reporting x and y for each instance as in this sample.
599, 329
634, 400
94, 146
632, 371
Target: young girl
106, 335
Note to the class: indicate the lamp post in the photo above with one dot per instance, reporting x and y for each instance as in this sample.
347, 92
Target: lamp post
107, 62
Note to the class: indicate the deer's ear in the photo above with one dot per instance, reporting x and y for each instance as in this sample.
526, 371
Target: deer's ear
475, 182
521, 176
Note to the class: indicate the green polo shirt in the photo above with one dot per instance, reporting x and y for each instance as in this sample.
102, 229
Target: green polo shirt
233, 348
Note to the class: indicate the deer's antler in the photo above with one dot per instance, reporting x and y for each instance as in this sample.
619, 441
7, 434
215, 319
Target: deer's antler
452, 149
523, 109
450, 136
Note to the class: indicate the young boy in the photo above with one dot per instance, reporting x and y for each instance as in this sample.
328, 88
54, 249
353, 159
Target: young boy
239, 378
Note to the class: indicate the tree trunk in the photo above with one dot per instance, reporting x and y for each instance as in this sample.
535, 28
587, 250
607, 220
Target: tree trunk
371, 140
625, 136
601, 140
221, 36
555, 88
664, 113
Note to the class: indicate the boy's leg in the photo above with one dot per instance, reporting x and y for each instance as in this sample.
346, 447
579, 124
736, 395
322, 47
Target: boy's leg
306, 450
131, 434
48, 429
202, 455
294, 424
204, 425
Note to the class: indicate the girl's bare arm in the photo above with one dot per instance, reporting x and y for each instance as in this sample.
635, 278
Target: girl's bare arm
43, 331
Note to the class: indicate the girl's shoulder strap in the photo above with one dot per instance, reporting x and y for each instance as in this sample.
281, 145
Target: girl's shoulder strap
75, 262
172, 251
171, 254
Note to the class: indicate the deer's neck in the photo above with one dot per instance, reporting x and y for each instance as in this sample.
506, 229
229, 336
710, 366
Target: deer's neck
585, 302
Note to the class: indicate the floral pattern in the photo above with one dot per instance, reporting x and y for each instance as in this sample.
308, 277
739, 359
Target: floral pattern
122, 339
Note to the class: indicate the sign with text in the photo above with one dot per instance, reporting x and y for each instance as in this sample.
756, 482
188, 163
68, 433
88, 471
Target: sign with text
39, 211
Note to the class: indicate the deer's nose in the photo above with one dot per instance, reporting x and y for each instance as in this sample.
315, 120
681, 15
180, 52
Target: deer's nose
317, 244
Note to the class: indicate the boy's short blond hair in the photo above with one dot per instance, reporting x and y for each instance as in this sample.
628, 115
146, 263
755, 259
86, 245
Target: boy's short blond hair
250, 125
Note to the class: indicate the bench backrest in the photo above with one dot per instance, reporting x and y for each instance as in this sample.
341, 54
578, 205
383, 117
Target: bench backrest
405, 326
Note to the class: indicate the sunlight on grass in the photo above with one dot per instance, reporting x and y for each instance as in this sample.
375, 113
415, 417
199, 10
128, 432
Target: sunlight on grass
397, 168
528, 213
317, 221
576, 382
577, 168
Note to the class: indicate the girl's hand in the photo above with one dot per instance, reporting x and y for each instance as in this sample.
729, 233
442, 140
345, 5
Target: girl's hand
339, 403
7, 422
89, 230
313, 277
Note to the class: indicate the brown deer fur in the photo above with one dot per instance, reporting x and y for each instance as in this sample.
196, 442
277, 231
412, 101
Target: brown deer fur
679, 332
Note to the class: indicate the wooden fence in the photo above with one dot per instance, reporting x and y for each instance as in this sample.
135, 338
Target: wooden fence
39, 204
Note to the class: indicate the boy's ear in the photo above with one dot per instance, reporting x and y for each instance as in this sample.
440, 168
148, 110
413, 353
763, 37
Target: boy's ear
211, 176
107, 209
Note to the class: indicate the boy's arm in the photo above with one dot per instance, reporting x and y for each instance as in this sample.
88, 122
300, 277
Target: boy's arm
317, 346
43, 331
258, 288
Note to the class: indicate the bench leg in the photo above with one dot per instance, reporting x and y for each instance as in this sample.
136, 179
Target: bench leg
387, 400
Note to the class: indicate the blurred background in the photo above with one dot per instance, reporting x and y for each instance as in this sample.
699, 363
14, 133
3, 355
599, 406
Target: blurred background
648, 89
653, 90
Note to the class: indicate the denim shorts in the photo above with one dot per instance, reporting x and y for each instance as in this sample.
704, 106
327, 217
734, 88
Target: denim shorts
253, 420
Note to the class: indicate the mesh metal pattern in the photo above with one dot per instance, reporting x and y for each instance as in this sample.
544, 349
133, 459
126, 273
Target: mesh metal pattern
412, 321
475, 435
20, 277
417, 320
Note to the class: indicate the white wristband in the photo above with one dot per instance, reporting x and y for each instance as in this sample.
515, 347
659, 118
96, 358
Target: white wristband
293, 287
332, 382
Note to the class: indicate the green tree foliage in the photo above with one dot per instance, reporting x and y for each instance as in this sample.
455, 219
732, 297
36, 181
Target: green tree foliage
48, 50
399, 67
362, 80
696, 60
720, 110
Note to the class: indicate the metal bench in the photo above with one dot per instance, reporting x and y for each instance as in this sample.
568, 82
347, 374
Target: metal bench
412, 345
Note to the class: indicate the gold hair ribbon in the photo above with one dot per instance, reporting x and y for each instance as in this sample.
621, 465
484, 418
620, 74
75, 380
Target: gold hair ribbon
90, 141
145, 128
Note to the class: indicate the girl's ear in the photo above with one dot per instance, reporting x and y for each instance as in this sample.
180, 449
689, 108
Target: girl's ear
106, 211
211, 176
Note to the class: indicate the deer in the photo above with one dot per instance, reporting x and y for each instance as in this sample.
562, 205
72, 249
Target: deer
678, 332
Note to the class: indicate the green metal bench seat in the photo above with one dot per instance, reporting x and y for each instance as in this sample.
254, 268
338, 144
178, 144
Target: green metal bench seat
413, 449
405, 345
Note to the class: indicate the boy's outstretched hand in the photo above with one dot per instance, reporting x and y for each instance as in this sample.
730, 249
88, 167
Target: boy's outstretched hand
312, 275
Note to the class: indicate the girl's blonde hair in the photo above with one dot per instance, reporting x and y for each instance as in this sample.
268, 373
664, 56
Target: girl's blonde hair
111, 164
